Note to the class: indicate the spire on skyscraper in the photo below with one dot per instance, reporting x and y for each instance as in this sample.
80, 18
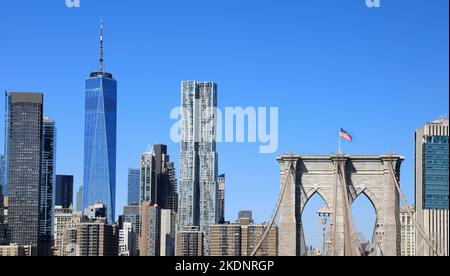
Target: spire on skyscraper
100, 69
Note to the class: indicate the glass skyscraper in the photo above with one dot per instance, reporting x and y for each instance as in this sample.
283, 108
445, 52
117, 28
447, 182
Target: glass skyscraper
24, 114
47, 189
133, 186
432, 185
199, 188
99, 177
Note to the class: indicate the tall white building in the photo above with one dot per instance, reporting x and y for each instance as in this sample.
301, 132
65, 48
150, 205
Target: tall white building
408, 234
127, 240
432, 186
198, 203
168, 228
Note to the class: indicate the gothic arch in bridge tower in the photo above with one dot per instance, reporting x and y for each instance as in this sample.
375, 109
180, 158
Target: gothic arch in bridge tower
368, 175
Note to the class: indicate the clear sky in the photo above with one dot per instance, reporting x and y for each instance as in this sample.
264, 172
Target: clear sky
380, 73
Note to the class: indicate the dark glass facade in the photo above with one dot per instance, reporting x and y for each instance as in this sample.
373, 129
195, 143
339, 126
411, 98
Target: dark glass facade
435, 172
47, 186
133, 186
24, 154
99, 177
64, 191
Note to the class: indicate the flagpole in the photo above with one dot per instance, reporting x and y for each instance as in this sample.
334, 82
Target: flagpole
339, 140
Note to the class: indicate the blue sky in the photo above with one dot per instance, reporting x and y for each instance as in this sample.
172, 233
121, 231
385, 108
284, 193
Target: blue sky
380, 73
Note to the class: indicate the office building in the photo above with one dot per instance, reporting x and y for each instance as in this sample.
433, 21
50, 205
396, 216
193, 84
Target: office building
146, 193
189, 242
97, 211
24, 114
149, 240
64, 191
432, 186
173, 190
168, 230
408, 233
132, 215
47, 186
99, 178
241, 238
221, 181
65, 219
96, 238
225, 240
3, 176
127, 240
158, 183
198, 204
133, 186
14, 250
79, 199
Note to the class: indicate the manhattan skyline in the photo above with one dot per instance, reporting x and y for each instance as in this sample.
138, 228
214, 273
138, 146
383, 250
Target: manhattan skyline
323, 64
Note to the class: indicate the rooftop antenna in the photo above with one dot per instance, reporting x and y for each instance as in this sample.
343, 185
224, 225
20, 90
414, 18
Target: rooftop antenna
101, 47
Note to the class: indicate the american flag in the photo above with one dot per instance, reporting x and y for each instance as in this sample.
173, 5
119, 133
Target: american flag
345, 135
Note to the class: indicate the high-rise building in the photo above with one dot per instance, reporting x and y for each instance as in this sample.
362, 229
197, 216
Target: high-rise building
3, 176
221, 180
65, 218
157, 178
147, 177
24, 114
189, 242
47, 186
149, 240
240, 239
14, 250
133, 186
79, 202
173, 190
127, 240
408, 234
168, 228
132, 215
432, 185
64, 191
96, 238
3, 226
225, 240
99, 177
198, 203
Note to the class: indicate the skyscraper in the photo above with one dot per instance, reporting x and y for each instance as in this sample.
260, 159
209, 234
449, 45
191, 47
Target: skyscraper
432, 186
3, 177
133, 186
127, 240
99, 178
146, 178
24, 114
47, 185
157, 178
79, 202
149, 240
64, 191
408, 234
198, 204
168, 229
221, 180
